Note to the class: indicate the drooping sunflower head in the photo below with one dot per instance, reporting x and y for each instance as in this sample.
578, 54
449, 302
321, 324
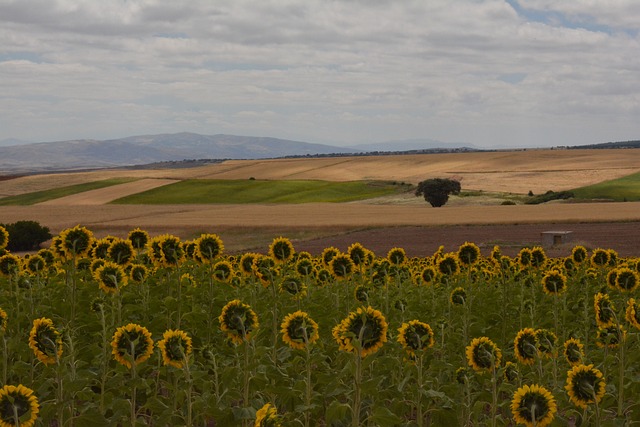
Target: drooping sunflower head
100, 248
599, 257
604, 310
458, 296
131, 343
121, 251
293, 286
483, 354
361, 293
246, 263
138, 273
223, 271
397, 256
111, 277
611, 336
138, 238
299, 330
9, 264
3, 321
281, 249
585, 385
632, 314
267, 416
305, 267
554, 282
171, 250
18, 401
76, 241
364, 331
208, 247
328, 254
357, 253
175, 347
627, 280
45, 341
341, 266
511, 373
428, 274
524, 257
538, 256
525, 346
533, 406
579, 254
238, 321
547, 341
415, 336
573, 351
36, 264
468, 253
448, 264
4, 238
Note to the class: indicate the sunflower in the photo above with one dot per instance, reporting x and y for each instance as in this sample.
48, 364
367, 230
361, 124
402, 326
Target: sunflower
110, 277
554, 282
397, 256
4, 317
458, 296
363, 331
632, 313
579, 254
627, 280
175, 346
361, 293
612, 275
468, 253
131, 343
36, 264
238, 321
546, 342
208, 247
525, 346
462, 375
100, 248
18, 406
121, 251
573, 351
599, 257
533, 406
76, 241
171, 250
246, 263
264, 268
267, 416
45, 341
138, 238
328, 254
281, 249
293, 286
341, 266
4, 238
538, 256
415, 336
585, 385
428, 274
524, 257
511, 373
611, 336
9, 264
604, 309
223, 271
483, 354
305, 267
357, 253
448, 264
299, 330
47, 255
138, 273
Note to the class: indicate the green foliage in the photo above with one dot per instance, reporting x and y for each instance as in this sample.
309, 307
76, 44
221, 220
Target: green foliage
620, 190
42, 196
436, 191
26, 235
257, 191
549, 196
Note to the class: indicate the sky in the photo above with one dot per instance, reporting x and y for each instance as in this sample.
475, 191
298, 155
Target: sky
490, 73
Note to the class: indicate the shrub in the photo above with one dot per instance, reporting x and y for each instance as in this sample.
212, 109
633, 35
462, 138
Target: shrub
26, 235
550, 195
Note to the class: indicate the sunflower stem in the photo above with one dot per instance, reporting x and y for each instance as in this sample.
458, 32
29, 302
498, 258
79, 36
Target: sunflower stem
355, 420
420, 415
307, 411
621, 374
133, 380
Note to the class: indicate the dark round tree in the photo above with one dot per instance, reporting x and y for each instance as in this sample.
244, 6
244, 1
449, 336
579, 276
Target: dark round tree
436, 190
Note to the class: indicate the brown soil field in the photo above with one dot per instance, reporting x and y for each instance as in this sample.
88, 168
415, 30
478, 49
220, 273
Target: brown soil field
379, 224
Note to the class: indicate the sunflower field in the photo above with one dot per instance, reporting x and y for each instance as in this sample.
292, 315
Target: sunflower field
159, 331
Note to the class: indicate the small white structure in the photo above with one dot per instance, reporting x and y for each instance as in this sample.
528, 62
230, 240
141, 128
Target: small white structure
555, 238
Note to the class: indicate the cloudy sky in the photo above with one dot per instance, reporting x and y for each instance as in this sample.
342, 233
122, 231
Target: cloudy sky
516, 73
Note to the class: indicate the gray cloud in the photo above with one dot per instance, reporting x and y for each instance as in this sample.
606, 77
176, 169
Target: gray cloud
532, 72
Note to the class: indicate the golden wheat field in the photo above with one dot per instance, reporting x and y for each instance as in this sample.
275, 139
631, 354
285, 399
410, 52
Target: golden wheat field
504, 171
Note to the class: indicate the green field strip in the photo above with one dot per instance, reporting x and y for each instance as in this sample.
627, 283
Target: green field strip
622, 189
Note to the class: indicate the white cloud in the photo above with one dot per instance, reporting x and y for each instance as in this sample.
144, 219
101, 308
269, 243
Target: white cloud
340, 71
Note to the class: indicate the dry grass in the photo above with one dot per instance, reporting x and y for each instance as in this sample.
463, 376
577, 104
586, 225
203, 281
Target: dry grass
501, 171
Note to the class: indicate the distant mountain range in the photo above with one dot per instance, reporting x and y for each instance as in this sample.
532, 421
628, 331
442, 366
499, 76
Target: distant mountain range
19, 157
